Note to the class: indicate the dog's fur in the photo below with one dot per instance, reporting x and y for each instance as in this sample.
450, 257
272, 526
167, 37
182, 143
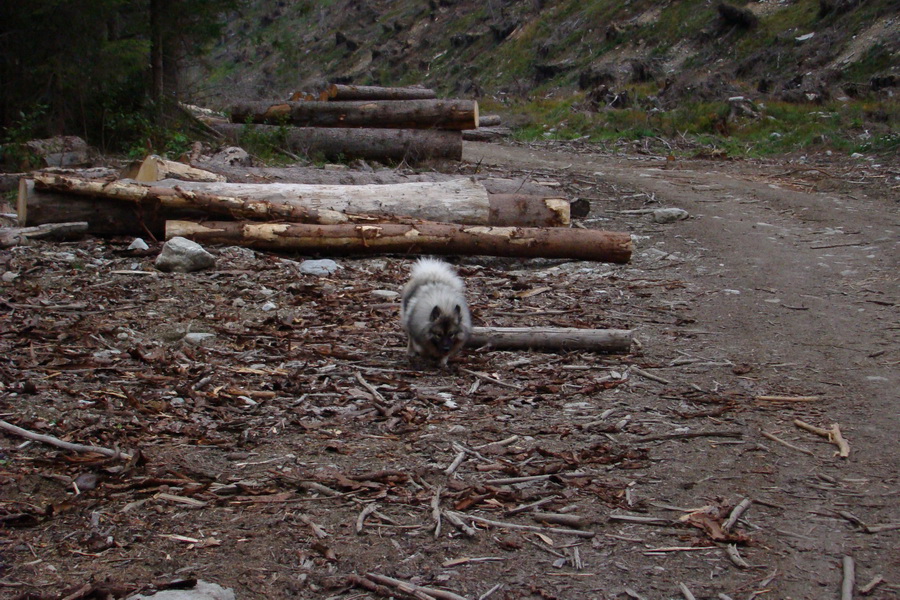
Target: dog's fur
434, 312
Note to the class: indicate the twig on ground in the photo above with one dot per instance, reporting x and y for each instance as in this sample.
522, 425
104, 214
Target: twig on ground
849, 580
867, 589
361, 519
833, 435
436, 511
691, 434
548, 530
686, 592
787, 444
417, 591
49, 439
735, 557
736, 514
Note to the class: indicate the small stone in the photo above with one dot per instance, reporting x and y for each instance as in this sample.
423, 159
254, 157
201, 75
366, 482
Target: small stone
198, 339
322, 267
181, 255
138, 244
268, 307
669, 215
201, 591
9, 277
385, 294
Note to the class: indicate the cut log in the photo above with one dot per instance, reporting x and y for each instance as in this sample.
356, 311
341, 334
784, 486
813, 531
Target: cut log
419, 238
487, 134
103, 216
336, 92
410, 145
551, 338
154, 168
458, 200
409, 114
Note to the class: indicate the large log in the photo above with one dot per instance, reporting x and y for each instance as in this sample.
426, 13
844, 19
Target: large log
419, 238
410, 145
410, 114
551, 338
103, 216
336, 92
459, 200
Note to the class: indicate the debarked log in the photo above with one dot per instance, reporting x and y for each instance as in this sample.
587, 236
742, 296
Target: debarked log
460, 200
551, 338
410, 145
418, 238
453, 114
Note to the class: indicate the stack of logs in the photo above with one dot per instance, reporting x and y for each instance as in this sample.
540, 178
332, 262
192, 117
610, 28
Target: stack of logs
457, 216
348, 121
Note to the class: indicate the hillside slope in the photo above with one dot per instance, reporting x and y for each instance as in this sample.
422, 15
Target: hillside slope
803, 50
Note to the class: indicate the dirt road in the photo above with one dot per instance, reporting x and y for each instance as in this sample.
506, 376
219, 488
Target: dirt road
295, 453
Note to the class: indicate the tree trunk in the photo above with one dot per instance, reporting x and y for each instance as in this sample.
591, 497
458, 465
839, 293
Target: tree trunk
458, 200
419, 238
551, 338
409, 114
12, 236
409, 145
337, 92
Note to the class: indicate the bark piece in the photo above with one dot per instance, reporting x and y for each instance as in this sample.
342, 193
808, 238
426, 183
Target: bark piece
410, 145
154, 168
410, 114
419, 238
12, 236
552, 338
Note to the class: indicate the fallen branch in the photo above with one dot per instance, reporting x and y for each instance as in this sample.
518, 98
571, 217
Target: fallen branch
736, 514
691, 434
551, 338
833, 435
849, 580
735, 557
12, 236
415, 590
686, 592
548, 530
48, 439
787, 444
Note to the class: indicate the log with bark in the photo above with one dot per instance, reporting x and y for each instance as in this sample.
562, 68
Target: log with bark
551, 338
337, 92
419, 238
12, 236
455, 114
459, 200
413, 146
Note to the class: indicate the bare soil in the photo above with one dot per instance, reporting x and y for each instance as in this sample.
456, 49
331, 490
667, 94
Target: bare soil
298, 450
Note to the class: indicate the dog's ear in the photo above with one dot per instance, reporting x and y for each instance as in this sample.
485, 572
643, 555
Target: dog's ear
458, 310
435, 313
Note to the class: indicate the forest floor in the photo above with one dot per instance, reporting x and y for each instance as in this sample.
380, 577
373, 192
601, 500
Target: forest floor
297, 450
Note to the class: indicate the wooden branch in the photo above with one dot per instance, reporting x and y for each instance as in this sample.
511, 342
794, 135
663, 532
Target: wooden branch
416, 590
833, 435
848, 582
787, 444
736, 514
547, 530
49, 439
452, 114
421, 238
551, 338
412, 146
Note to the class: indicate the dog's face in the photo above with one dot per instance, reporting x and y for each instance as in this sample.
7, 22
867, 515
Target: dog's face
445, 330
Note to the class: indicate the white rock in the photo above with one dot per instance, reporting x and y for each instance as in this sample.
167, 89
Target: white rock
202, 591
232, 156
269, 306
669, 215
181, 255
386, 294
198, 339
322, 267
138, 244
9, 277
